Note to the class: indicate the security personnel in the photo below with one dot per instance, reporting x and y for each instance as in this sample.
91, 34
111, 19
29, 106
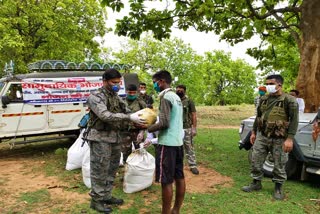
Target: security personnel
107, 114
143, 95
189, 127
273, 131
132, 134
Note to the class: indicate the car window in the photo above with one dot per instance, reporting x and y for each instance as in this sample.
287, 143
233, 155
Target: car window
15, 93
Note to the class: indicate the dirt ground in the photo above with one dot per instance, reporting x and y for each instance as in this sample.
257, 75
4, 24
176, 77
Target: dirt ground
17, 177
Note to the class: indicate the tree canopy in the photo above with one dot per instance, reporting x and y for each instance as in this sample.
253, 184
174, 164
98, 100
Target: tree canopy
235, 21
213, 79
32, 30
295, 23
276, 21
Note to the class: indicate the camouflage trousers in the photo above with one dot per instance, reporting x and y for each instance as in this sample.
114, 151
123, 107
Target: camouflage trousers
189, 148
126, 143
261, 147
104, 164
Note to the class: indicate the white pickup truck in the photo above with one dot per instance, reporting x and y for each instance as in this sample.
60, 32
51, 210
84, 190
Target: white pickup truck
305, 156
50, 100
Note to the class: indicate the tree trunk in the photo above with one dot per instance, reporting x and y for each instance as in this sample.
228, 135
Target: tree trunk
308, 82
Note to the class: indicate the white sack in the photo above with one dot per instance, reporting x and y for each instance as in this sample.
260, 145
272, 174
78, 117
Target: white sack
121, 160
139, 171
76, 153
86, 169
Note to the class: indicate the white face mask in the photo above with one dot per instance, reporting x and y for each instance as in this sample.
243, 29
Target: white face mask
271, 89
142, 91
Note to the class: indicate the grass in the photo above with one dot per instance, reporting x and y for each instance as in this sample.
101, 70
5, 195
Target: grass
223, 115
215, 148
225, 157
35, 197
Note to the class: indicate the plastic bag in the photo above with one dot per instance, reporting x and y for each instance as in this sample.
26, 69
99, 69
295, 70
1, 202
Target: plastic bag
76, 153
148, 114
139, 171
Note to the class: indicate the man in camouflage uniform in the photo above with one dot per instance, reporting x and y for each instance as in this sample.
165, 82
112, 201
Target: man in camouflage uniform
133, 134
273, 131
143, 95
107, 114
189, 126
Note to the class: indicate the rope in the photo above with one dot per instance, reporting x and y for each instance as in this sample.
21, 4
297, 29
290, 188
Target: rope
12, 144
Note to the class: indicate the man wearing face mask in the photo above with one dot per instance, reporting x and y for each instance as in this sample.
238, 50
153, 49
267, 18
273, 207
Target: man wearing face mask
107, 116
143, 95
169, 150
273, 131
133, 134
189, 127
262, 91
300, 101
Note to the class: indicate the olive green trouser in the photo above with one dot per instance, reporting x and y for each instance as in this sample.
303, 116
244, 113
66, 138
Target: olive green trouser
261, 147
189, 148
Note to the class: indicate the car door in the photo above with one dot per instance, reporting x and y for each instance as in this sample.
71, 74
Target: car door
18, 118
65, 116
304, 135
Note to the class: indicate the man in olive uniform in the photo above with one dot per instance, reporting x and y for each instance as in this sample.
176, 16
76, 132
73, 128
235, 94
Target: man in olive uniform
143, 95
107, 114
189, 127
133, 134
273, 131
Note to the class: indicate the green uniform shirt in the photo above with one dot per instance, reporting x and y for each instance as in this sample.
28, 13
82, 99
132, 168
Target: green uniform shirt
188, 109
273, 109
136, 105
147, 99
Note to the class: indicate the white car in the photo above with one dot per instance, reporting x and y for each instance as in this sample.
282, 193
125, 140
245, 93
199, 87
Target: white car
50, 99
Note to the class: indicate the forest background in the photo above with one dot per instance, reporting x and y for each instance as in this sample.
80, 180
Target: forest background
33, 30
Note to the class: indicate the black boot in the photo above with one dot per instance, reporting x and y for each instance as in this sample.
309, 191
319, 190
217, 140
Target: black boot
254, 186
114, 201
278, 193
194, 170
100, 206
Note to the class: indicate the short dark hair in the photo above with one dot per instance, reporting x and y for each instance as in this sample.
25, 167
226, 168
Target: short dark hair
277, 77
132, 87
295, 91
142, 83
163, 75
182, 86
111, 73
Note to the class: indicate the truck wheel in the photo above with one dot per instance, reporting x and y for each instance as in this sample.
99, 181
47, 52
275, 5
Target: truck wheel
291, 166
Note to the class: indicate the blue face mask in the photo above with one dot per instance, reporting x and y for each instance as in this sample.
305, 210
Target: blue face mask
115, 88
131, 97
262, 93
156, 87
